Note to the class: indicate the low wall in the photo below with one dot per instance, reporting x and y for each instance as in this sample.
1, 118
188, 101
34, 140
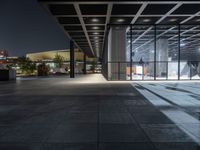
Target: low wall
6, 75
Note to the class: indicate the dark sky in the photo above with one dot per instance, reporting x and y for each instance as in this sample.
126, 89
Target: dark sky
26, 27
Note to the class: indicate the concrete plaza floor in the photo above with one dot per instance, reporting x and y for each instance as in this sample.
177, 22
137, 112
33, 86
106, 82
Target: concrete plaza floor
89, 113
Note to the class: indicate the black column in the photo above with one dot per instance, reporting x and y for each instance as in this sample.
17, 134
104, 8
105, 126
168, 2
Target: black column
84, 64
155, 45
71, 59
131, 52
179, 50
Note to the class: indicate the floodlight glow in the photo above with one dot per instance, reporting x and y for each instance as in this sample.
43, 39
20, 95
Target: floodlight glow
95, 28
182, 44
146, 20
95, 20
173, 19
120, 20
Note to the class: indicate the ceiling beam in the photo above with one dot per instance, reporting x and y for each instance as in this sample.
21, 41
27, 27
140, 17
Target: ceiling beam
146, 15
78, 11
138, 14
119, 2
161, 19
144, 5
60, 26
189, 18
191, 29
169, 12
108, 14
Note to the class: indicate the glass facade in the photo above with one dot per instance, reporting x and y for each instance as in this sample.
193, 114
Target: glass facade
157, 52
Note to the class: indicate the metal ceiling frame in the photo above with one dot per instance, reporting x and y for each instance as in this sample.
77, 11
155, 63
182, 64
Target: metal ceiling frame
108, 16
61, 27
78, 11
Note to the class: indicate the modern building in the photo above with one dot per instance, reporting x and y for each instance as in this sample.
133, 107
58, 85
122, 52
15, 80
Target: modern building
81, 62
136, 40
50, 55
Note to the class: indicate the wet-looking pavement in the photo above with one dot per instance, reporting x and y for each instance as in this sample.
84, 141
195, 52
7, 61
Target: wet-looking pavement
89, 113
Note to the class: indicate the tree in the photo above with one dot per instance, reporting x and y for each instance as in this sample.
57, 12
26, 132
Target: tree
43, 70
26, 65
58, 60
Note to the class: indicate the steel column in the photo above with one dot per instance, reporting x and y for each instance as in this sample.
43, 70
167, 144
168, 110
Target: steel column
84, 64
71, 59
155, 38
131, 53
179, 50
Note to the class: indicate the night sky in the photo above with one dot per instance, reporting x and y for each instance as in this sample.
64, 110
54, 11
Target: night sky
26, 27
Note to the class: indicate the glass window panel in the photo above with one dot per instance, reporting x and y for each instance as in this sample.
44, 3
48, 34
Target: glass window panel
142, 52
190, 51
166, 51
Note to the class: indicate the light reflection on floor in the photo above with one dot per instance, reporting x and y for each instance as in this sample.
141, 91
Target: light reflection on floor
177, 101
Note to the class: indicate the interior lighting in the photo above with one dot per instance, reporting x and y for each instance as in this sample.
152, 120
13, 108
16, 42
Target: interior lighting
146, 20
182, 44
173, 19
120, 20
95, 28
95, 20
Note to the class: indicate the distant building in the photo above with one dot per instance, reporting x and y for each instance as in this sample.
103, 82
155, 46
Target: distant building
3, 56
48, 56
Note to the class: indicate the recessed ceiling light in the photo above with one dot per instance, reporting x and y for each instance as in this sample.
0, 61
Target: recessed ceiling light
96, 33
95, 28
96, 37
173, 19
120, 20
95, 20
146, 20
182, 44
